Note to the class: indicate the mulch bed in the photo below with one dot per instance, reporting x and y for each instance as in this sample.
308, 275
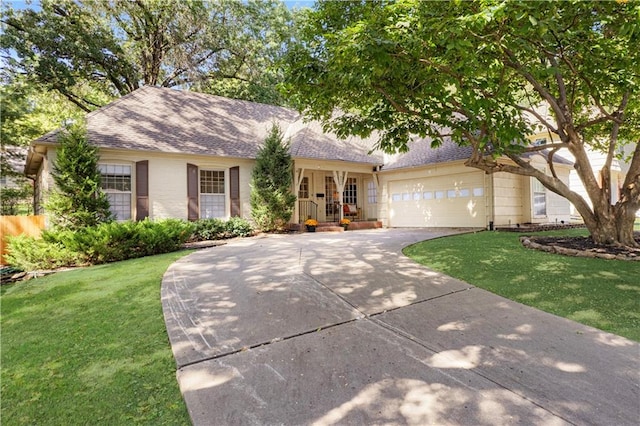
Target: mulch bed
581, 246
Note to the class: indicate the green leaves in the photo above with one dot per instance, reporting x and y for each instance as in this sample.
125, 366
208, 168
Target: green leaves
78, 200
272, 202
115, 47
485, 72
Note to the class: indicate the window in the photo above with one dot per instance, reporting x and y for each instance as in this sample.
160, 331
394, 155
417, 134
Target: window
396, 197
350, 194
116, 183
304, 188
478, 192
539, 198
417, 196
451, 193
427, 195
464, 193
212, 194
372, 193
439, 195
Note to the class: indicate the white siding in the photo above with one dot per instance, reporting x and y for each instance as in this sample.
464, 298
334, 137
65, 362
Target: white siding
168, 180
509, 198
440, 196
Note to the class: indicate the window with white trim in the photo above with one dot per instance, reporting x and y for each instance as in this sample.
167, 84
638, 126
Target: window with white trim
372, 193
116, 183
539, 198
212, 196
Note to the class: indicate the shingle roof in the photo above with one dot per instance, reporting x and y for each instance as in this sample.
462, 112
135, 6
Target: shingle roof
308, 140
167, 120
173, 121
420, 154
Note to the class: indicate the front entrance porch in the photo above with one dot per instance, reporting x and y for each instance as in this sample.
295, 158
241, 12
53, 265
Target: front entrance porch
335, 226
328, 195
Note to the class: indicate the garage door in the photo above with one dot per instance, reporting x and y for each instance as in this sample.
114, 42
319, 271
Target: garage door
456, 200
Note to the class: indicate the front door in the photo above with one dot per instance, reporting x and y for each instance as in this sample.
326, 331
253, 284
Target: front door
331, 207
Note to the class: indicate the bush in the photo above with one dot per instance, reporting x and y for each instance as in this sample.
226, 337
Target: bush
32, 254
209, 229
107, 242
238, 227
217, 229
115, 241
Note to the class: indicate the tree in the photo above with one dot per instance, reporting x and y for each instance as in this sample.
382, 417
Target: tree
16, 200
82, 49
78, 200
484, 71
272, 202
27, 112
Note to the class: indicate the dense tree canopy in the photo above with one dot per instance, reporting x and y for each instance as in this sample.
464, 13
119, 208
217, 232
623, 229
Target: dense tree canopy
86, 49
489, 74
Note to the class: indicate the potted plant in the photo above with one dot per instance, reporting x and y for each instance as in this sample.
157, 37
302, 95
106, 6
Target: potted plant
345, 223
311, 225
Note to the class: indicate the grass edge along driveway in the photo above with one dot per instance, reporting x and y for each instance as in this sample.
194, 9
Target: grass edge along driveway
89, 346
604, 294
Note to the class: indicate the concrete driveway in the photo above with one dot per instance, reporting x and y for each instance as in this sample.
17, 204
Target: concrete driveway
341, 328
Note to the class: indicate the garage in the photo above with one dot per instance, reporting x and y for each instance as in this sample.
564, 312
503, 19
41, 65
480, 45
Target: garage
454, 200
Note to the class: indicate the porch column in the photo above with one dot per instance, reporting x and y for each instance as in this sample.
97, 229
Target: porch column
340, 178
299, 175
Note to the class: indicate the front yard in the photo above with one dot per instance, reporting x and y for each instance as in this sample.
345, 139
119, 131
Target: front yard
601, 293
89, 346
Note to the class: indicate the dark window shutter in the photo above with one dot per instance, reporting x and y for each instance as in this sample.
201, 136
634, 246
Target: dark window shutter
142, 190
234, 189
192, 192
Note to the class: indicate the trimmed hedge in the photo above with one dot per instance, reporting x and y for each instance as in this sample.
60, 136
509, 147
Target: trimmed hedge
115, 241
218, 229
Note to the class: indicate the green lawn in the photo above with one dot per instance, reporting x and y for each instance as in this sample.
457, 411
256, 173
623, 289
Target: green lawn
601, 293
90, 346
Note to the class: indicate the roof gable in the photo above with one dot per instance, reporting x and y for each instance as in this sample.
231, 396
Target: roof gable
421, 154
173, 121
167, 120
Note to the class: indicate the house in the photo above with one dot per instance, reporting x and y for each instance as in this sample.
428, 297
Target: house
173, 154
597, 159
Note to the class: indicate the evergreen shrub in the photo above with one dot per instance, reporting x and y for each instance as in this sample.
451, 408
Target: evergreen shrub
217, 229
107, 242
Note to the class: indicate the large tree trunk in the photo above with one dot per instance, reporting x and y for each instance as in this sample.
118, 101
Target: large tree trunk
608, 224
625, 219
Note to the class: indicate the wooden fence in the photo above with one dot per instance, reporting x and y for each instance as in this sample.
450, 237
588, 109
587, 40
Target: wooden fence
18, 225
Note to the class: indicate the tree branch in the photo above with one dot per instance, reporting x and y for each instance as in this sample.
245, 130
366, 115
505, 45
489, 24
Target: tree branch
540, 118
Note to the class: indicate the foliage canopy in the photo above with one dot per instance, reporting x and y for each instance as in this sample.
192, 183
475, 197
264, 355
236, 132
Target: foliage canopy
488, 74
85, 49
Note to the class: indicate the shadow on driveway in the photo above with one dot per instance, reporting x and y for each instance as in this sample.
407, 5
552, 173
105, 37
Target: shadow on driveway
323, 328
